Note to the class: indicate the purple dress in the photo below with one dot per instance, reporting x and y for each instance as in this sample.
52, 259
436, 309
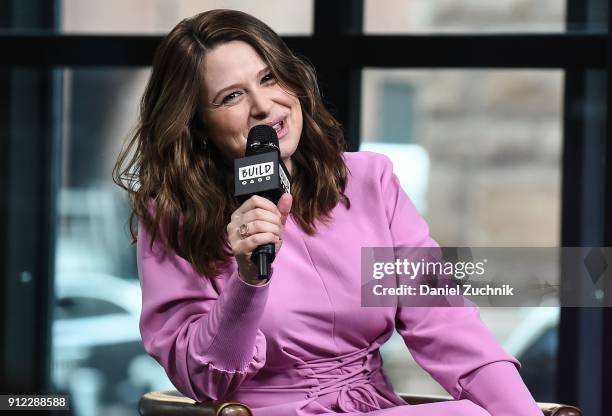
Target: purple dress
302, 344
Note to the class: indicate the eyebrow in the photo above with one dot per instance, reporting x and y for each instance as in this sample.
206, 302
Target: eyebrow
236, 85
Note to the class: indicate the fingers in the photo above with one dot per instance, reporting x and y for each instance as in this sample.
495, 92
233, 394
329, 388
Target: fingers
261, 215
284, 206
251, 243
257, 201
263, 223
259, 226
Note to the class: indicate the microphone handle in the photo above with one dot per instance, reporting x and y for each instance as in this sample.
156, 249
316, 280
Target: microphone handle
263, 256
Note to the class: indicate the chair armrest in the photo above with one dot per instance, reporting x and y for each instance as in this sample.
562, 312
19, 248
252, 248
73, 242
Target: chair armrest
548, 409
158, 403
163, 403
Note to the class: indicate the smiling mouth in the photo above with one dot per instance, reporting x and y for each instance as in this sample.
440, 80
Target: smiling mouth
279, 126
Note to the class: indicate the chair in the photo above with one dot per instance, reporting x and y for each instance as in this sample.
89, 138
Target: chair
159, 403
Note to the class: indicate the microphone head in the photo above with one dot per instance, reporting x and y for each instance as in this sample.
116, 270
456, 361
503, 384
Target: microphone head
262, 138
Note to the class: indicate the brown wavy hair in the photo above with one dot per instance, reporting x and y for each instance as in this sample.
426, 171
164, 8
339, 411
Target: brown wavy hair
177, 182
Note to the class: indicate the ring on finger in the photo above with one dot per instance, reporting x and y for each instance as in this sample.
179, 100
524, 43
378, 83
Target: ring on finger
243, 230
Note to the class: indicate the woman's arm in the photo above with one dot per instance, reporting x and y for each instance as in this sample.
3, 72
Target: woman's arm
208, 343
499, 389
451, 343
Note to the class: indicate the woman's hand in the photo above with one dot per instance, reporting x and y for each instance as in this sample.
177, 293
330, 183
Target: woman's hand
266, 224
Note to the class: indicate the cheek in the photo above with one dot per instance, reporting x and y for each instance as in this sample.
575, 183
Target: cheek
297, 110
226, 131
226, 124
289, 101
285, 98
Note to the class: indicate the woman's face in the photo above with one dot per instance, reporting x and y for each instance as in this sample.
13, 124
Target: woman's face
241, 92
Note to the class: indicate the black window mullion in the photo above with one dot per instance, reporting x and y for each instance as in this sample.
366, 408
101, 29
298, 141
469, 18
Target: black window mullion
339, 77
606, 385
581, 361
571, 51
27, 209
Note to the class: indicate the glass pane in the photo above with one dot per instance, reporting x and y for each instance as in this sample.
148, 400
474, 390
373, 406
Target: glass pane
98, 356
286, 17
479, 153
422, 16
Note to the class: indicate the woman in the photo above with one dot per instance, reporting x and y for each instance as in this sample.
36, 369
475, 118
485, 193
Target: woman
299, 343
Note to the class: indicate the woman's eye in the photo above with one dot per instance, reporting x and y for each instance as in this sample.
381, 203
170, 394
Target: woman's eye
230, 97
268, 77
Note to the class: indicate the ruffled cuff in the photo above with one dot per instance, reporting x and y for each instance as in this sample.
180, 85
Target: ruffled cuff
499, 388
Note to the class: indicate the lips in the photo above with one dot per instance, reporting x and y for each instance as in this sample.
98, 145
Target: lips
280, 126
276, 121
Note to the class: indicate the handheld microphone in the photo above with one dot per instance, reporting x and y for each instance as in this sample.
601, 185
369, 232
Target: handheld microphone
261, 172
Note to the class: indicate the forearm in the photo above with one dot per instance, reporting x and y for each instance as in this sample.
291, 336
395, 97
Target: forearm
227, 335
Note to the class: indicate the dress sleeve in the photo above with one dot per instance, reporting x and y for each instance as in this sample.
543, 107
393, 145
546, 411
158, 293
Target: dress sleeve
451, 343
208, 343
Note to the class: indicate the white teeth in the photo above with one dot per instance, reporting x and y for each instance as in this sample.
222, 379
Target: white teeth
278, 126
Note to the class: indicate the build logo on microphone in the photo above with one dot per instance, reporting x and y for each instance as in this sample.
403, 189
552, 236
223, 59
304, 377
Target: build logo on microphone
252, 172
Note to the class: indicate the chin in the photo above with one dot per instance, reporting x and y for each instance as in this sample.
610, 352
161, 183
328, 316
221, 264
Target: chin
287, 147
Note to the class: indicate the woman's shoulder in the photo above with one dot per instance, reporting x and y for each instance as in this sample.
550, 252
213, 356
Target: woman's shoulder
367, 164
368, 173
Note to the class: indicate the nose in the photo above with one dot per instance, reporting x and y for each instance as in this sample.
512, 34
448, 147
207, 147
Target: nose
261, 104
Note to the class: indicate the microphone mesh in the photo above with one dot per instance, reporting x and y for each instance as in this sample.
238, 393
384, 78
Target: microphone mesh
261, 134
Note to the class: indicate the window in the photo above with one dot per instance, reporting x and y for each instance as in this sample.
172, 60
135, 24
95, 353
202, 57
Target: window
476, 137
423, 16
483, 166
159, 16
